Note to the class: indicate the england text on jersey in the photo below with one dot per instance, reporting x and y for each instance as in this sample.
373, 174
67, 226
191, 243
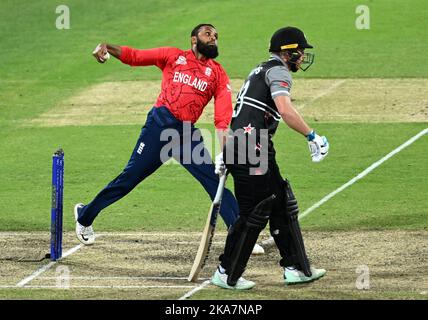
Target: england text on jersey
189, 80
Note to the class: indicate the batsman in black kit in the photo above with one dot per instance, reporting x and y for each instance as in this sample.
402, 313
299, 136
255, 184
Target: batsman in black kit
249, 155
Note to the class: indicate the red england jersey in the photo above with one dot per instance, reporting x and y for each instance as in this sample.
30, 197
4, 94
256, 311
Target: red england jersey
188, 84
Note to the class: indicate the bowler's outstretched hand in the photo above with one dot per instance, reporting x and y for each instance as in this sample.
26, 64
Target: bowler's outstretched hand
101, 53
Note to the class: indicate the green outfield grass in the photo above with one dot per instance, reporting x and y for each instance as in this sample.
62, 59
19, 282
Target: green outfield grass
392, 196
42, 65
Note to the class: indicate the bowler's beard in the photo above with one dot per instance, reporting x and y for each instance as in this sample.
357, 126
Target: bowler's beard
209, 51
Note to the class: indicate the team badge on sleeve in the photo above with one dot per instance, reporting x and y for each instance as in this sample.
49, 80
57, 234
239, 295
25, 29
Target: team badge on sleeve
284, 84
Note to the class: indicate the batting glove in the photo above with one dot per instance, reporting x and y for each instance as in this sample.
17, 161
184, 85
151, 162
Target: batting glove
318, 146
220, 167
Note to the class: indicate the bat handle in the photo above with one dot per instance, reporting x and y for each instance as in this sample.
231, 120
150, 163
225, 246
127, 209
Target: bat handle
220, 188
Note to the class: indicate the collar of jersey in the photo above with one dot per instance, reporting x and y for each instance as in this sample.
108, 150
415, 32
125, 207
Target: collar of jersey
274, 56
206, 62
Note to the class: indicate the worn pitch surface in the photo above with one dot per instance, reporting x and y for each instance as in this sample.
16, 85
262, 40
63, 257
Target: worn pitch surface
360, 264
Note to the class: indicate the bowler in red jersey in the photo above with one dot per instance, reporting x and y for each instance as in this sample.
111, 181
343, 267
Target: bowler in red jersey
190, 79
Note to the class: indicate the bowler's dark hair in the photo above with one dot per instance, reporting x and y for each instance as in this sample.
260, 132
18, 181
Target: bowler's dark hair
196, 29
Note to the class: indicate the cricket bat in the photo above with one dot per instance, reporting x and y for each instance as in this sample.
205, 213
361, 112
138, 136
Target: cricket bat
208, 233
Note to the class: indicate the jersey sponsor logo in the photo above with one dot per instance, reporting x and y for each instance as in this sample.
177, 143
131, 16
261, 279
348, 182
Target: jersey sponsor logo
248, 129
284, 84
181, 60
208, 71
190, 81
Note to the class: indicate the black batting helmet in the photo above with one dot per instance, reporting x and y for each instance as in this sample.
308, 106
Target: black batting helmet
288, 38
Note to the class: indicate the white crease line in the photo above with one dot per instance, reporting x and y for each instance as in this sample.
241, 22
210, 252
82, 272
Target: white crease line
124, 287
154, 234
28, 279
322, 94
111, 234
93, 287
108, 234
119, 278
197, 242
23, 233
43, 269
191, 292
361, 175
24, 281
364, 173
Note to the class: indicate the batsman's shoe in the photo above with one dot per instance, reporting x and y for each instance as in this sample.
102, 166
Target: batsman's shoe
84, 234
294, 276
220, 280
258, 250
